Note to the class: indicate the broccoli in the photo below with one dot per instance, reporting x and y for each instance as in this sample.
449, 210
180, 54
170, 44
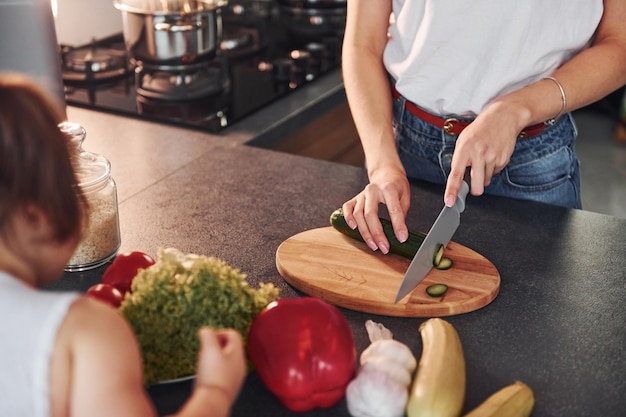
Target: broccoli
176, 296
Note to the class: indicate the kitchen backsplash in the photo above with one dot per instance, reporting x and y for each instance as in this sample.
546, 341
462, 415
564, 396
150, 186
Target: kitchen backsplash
79, 21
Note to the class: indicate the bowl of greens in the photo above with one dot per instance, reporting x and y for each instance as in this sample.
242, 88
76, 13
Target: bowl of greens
170, 300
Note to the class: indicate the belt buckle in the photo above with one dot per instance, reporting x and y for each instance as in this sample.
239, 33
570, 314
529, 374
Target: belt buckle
448, 125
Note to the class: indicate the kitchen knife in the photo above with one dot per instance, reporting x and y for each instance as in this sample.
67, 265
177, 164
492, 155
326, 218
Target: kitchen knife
440, 234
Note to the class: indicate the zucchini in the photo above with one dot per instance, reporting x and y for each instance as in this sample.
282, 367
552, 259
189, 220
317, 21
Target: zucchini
407, 249
439, 385
436, 290
515, 400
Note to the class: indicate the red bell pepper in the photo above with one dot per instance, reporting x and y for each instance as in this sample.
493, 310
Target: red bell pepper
122, 271
107, 293
303, 351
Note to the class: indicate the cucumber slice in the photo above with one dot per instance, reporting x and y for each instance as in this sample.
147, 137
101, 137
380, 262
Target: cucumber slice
444, 263
436, 290
438, 255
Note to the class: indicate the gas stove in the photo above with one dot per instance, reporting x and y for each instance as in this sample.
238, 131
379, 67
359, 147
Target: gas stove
265, 53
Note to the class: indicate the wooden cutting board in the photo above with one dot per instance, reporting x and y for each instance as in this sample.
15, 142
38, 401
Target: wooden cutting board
326, 264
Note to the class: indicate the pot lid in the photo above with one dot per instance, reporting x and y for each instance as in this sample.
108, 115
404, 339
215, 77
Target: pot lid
168, 6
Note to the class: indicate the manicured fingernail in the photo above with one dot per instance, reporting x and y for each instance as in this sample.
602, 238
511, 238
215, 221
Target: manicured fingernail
402, 236
383, 248
372, 245
449, 201
352, 224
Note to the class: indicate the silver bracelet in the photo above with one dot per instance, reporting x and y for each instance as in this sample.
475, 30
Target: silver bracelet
563, 97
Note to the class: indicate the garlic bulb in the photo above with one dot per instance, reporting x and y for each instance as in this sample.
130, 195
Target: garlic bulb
380, 388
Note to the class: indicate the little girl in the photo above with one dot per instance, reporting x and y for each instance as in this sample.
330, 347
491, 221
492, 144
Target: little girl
63, 354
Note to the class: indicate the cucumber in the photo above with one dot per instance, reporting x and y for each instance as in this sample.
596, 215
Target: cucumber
438, 255
444, 263
436, 290
407, 249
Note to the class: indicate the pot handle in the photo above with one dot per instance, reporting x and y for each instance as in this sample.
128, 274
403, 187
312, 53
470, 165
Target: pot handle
167, 27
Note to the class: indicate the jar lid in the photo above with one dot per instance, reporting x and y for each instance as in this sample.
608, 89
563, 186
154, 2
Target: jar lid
91, 169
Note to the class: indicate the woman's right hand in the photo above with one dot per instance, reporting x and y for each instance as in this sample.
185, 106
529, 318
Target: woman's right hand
388, 186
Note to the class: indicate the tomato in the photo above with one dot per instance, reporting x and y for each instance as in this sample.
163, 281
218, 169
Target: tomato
303, 350
106, 293
123, 270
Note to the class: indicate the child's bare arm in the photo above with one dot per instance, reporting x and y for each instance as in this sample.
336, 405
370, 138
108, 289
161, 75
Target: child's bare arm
104, 375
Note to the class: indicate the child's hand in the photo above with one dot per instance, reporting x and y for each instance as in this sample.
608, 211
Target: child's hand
221, 362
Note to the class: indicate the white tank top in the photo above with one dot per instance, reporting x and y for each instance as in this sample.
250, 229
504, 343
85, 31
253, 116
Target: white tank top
29, 321
455, 56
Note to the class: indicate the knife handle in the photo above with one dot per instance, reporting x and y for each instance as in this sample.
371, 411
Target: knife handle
465, 187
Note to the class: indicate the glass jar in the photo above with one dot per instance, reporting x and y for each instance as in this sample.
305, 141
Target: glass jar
101, 237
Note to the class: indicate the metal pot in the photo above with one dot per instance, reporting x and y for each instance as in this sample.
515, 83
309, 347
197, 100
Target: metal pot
171, 32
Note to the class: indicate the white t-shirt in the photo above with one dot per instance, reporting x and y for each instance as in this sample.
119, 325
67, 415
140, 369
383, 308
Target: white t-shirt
455, 56
29, 321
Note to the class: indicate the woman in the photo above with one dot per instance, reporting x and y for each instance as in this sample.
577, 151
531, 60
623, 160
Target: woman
435, 86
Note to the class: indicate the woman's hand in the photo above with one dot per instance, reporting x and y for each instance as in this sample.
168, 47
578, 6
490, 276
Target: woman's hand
486, 145
388, 186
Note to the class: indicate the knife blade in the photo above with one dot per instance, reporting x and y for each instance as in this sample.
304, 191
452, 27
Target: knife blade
440, 233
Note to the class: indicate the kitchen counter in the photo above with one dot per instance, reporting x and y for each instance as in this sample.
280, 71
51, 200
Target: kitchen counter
557, 323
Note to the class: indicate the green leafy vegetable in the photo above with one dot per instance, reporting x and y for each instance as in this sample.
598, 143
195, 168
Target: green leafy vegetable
179, 294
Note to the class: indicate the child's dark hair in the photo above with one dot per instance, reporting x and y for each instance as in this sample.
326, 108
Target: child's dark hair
35, 160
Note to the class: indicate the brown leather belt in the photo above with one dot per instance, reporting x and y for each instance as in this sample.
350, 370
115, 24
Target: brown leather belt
454, 126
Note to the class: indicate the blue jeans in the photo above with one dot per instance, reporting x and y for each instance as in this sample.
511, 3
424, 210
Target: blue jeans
542, 168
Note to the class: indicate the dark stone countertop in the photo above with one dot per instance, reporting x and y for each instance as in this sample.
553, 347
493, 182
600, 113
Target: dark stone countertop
558, 323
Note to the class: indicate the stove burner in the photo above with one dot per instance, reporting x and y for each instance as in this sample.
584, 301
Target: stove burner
266, 51
247, 10
94, 64
209, 113
314, 4
180, 83
241, 41
233, 40
308, 21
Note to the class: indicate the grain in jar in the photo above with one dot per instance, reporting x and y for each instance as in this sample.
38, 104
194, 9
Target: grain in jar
101, 236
